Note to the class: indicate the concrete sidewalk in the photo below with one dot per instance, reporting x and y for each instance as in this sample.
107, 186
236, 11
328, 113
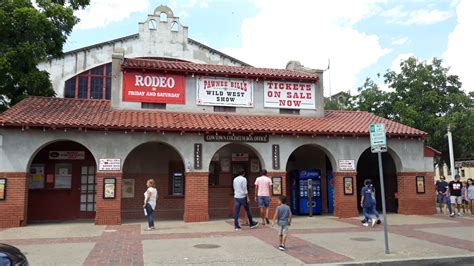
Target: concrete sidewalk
413, 240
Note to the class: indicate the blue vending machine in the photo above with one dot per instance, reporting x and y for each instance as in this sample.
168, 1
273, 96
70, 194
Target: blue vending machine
315, 177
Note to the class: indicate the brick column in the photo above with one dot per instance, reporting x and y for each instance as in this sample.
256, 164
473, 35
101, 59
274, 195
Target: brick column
196, 198
108, 211
14, 208
409, 202
345, 206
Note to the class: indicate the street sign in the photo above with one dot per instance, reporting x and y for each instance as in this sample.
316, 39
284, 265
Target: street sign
378, 140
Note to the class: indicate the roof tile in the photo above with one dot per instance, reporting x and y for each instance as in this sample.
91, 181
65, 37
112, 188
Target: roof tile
98, 114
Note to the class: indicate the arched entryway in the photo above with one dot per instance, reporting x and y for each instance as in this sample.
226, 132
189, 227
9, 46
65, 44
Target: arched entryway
368, 168
164, 164
313, 162
62, 183
225, 165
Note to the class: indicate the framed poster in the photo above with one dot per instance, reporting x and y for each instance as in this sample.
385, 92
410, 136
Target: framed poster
3, 188
254, 165
178, 184
276, 187
420, 184
109, 188
225, 165
36, 176
128, 188
63, 175
348, 186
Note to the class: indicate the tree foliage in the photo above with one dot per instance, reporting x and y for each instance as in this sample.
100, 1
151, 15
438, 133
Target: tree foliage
30, 34
424, 96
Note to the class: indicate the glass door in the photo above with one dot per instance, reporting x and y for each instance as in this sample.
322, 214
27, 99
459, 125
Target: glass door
88, 192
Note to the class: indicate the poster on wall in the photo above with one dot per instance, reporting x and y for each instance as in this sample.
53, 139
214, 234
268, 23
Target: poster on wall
224, 92
109, 164
420, 184
63, 175
3, 188
36, 176
153, 88
289, 95
225, 165
109, 188
128, 188
276, 185
347, 165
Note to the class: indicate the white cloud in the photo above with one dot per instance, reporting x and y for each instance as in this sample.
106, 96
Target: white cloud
459, 54
416, 17
400, 41
103, 12
396, 62
311, 32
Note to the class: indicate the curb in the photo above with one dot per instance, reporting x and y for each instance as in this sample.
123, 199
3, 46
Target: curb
446, 260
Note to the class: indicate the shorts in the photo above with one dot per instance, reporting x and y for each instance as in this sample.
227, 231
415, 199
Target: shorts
442, 199
263, 201
283, 231
456, 199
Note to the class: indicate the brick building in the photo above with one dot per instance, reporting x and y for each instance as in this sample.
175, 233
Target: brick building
160, 105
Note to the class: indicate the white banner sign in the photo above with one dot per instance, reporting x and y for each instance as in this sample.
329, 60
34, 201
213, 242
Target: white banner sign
289, 95
67, 155
347, 165
224, 92
109, 164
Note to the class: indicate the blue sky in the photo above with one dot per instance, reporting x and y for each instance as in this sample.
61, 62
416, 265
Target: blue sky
361, 38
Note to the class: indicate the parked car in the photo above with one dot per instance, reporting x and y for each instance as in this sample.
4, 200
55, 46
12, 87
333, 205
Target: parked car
10, 255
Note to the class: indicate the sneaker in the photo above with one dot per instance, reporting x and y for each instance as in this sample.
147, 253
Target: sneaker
268, 221
148, 229
451, 215
459, 214
373, 222
281, 247
238, 229
378, 221
254, 226
365, 224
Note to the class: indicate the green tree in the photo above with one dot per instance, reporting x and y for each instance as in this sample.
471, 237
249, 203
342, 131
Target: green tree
425, 96
30, 34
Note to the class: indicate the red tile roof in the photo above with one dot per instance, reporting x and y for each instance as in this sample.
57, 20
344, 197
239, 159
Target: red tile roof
217, 70
98, 114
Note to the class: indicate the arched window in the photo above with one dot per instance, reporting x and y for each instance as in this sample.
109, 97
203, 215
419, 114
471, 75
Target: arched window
94, 83
174, 26
152, 24
163, 17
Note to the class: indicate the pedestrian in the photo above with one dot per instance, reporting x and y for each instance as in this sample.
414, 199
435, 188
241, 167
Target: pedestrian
470, 194
282, 217
367, 202
442, 194
241, 197
262, 195
149, 204
455, 188
465, 205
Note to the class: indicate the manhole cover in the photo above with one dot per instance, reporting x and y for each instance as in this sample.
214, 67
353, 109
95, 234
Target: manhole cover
206, 246
362, 239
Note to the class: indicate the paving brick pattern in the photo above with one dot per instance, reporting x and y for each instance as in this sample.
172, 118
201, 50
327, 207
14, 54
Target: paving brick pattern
122, 245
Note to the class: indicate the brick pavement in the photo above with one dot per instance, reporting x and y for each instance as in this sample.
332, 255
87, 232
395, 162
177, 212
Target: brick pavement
122, 245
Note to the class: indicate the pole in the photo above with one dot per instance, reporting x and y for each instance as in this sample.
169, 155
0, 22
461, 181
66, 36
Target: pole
451, 153
310, 197
382, 190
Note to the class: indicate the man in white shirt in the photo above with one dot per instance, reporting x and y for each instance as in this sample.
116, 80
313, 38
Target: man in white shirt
241, 198
262, 195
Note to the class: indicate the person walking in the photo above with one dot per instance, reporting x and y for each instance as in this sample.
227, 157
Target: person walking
283, 218
470, 194
442, 194
241, 198
149, 204
455, 192
367, 202
262, 195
